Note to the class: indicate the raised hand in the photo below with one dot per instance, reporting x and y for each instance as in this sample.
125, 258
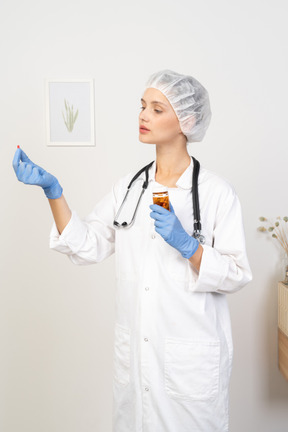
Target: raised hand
29, 173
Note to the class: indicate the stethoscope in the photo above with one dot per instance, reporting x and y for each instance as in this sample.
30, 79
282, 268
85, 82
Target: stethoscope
195, 200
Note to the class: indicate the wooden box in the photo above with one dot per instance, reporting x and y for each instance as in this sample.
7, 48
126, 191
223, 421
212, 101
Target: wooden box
283, 328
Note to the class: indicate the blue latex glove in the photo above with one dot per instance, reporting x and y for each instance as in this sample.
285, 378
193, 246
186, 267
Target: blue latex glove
29, 173
169, 227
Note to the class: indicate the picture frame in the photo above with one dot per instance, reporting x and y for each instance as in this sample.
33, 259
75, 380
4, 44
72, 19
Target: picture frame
70, 112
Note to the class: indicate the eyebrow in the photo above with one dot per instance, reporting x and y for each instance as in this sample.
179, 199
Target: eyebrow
154, 102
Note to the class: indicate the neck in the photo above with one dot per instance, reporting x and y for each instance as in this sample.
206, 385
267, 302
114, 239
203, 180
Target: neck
171, 160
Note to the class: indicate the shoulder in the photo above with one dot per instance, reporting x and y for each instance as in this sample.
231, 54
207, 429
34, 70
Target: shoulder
126, 179
215, 182
220, 193
121, 185
138, 171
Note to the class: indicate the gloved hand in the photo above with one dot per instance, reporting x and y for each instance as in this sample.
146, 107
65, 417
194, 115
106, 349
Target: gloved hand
29, 173
169, 227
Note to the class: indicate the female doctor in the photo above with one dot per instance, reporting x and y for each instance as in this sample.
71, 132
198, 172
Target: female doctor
173, 343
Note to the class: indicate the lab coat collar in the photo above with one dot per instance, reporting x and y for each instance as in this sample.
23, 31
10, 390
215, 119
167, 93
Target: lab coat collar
184, 181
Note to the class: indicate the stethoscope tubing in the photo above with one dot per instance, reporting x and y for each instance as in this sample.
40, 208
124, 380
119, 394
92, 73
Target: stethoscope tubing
195, 200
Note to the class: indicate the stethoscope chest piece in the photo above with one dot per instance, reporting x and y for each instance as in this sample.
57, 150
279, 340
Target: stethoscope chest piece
199, 237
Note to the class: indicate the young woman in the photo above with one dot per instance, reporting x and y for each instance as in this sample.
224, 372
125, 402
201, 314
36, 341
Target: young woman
173, 342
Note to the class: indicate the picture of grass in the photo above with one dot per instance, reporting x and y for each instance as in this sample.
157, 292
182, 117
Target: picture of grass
70, 117
70, 112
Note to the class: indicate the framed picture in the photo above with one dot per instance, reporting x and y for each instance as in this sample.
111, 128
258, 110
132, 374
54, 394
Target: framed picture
70, 112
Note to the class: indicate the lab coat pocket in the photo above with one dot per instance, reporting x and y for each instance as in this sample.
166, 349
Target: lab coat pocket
192, 368
122, 355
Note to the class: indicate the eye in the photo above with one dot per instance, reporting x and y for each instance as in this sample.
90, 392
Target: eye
158, 111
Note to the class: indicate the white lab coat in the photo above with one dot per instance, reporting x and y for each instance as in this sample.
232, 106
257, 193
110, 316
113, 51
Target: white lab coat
173, 343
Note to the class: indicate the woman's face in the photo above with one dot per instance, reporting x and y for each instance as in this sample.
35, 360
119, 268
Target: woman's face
158, 116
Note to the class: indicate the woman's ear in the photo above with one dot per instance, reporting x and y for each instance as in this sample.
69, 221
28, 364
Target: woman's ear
189, 123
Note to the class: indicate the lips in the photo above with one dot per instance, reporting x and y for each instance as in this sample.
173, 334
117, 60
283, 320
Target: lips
143, 128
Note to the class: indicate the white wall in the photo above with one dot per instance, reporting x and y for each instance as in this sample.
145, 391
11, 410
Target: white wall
56, 319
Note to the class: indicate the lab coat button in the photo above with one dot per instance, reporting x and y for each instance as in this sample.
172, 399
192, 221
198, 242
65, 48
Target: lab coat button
147, 288
146, 389
153, 236
146, 339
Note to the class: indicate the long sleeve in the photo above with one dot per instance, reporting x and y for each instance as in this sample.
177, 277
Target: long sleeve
224, 266
90, 240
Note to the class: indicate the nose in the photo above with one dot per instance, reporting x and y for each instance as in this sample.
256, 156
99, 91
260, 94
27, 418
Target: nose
143, 115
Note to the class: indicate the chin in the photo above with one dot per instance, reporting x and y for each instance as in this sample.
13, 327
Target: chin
144, 140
